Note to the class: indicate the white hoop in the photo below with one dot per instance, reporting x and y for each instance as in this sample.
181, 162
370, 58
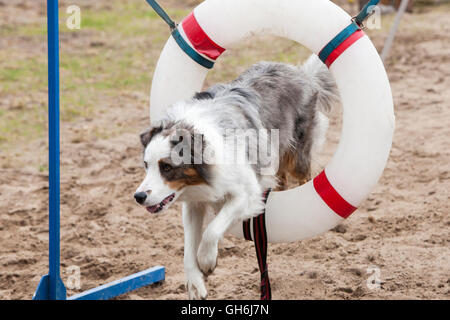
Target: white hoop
368, 116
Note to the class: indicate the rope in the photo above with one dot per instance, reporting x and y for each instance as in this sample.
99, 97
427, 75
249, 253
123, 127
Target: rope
178, 38
160, 11
366, 11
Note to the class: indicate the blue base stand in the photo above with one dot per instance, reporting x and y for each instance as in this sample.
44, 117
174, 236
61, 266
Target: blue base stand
124, 285
45, 291
104, 292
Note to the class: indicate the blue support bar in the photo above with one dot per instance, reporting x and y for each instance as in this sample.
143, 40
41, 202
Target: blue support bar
124, 285
51, 286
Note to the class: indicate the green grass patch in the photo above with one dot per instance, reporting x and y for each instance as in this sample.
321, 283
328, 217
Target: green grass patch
127, 18
27, 30
23, 75
22, 124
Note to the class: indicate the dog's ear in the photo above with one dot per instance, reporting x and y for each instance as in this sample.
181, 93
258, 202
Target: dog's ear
147, 135
181, 140
204, 95
179, 135
190, 145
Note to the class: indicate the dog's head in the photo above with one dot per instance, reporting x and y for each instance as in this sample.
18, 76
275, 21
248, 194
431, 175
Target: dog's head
171, 165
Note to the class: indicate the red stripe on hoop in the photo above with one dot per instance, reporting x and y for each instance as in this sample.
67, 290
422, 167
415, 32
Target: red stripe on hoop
343, 46
331, 197
199, 39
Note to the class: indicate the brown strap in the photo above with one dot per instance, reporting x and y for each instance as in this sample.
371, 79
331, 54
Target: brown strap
260, 235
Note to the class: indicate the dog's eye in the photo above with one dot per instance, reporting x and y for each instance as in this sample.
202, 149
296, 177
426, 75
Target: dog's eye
145, 165
165, 167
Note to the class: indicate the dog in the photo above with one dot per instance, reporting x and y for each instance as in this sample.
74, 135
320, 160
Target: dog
187, 158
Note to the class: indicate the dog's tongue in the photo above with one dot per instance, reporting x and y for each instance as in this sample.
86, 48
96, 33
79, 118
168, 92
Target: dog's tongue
153, 209
167, 200
158, 207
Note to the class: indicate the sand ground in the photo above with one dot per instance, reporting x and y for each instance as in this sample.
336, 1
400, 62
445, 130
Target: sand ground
402, 230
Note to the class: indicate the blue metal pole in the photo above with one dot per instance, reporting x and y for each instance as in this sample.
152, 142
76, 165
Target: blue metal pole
53, 138
51, 286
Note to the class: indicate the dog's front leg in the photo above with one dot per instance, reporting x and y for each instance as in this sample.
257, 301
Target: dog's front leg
193, 215
230, 213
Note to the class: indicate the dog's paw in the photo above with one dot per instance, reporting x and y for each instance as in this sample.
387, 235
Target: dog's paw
207, 257
196, 285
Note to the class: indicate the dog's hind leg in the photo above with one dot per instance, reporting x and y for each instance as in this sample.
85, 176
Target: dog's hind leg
282, 181
193, 216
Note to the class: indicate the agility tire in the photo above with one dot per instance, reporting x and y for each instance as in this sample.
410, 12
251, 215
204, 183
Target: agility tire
368, 115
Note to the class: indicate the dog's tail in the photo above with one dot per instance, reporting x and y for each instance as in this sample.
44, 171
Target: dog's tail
323, 83
325, 88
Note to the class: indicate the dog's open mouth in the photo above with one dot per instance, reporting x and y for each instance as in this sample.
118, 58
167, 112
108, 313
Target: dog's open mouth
158, 207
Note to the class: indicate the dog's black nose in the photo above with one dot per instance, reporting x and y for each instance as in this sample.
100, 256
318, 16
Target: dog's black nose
140, 197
